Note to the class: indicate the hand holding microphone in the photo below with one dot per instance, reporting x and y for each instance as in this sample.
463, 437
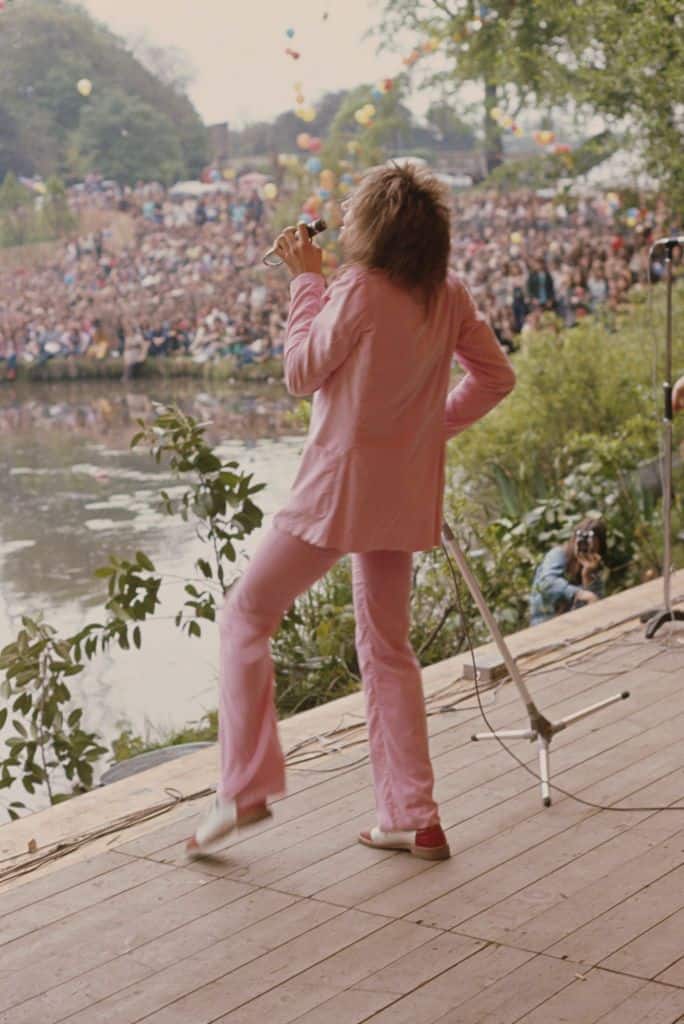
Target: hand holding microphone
294, 247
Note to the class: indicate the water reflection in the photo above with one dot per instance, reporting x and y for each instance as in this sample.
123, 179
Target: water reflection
73, 492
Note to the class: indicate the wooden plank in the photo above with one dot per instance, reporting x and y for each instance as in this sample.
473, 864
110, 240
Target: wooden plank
194, 990
422, 965
28, 892
87, 940
652, 1004
500, 921
77, 993
597, 940
652, 952
332, 975
674, 975
445, 910
352, 1006
586, 999
600, 896
83, 897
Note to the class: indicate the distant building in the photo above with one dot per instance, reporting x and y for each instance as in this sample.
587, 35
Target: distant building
219, 143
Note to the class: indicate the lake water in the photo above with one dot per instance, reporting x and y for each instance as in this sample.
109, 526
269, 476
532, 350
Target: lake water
73, 492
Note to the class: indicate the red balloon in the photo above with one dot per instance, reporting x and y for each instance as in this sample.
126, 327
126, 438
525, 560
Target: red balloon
315, 145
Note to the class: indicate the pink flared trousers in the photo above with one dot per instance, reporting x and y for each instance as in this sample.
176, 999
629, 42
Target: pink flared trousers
252, 762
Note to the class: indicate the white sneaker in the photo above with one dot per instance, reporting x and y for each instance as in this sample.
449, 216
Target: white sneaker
218, 821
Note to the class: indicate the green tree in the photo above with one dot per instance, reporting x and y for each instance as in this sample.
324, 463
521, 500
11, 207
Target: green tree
622, 60
46, 47
16, 212
126, 139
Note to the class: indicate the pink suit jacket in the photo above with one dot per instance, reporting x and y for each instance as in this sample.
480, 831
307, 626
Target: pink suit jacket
372, 472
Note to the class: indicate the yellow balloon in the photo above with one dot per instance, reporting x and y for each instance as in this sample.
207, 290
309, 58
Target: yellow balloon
306, 113
84, 86
496, 113
270, 190
369, 110
516, 237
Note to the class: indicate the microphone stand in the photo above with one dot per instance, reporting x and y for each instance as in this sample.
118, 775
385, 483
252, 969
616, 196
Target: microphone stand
540, 729
666, 614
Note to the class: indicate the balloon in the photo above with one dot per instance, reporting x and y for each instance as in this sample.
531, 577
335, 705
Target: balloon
327, 178
324, 193
304, 218
289, 32
299, 99
545, 137
306, 113
84, 86
292, 53
283, 159
347, 179
518, 132
516, 237
312, 204
297, 86
387, 85
376, 91
229, 173
496, 113
506, 121
370, 110
359, 116
313, 165
631, 221
560, 148
315, 146
303, 140
270, 190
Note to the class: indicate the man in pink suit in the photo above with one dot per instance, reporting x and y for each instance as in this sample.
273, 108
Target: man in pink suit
375, 349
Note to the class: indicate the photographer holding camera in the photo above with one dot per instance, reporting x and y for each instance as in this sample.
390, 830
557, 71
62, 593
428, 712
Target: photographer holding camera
570, 574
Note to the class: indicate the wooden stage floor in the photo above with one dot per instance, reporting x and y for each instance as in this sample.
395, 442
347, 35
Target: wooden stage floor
542, 916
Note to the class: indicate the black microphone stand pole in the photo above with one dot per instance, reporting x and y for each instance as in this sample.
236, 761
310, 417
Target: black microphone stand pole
666, 613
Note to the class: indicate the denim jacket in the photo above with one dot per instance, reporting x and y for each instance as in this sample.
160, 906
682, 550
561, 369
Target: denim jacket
551, 592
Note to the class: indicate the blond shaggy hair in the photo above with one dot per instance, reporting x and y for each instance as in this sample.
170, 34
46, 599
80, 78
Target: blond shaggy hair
401, 225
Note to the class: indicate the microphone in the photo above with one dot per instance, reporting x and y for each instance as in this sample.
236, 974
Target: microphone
270, 259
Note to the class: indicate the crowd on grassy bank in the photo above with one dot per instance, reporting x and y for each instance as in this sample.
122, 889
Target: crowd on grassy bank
192, 284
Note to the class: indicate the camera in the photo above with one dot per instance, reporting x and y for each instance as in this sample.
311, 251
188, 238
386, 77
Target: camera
584, 541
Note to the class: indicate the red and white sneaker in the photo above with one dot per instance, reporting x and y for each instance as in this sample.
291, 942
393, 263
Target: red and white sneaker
219, 820
428, 843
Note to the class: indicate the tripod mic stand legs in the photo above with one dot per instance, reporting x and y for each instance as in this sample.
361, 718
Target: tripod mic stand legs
540, 728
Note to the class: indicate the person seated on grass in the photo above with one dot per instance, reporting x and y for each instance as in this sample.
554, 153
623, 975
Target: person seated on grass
569, 576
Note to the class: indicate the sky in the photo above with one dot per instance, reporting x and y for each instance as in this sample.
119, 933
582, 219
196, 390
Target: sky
237, 48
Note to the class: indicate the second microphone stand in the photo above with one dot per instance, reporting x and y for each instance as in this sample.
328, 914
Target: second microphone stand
666, 613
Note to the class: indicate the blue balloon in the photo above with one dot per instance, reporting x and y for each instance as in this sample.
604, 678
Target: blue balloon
348, 179
313, 165
324, 193
289, 33
304, 218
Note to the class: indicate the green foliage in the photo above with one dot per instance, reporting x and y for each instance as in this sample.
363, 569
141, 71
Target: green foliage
41, 111
46, 739
128, 744
618, 60
128, 140
26, 218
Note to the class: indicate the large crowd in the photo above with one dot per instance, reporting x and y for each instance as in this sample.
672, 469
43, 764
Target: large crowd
189, 279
